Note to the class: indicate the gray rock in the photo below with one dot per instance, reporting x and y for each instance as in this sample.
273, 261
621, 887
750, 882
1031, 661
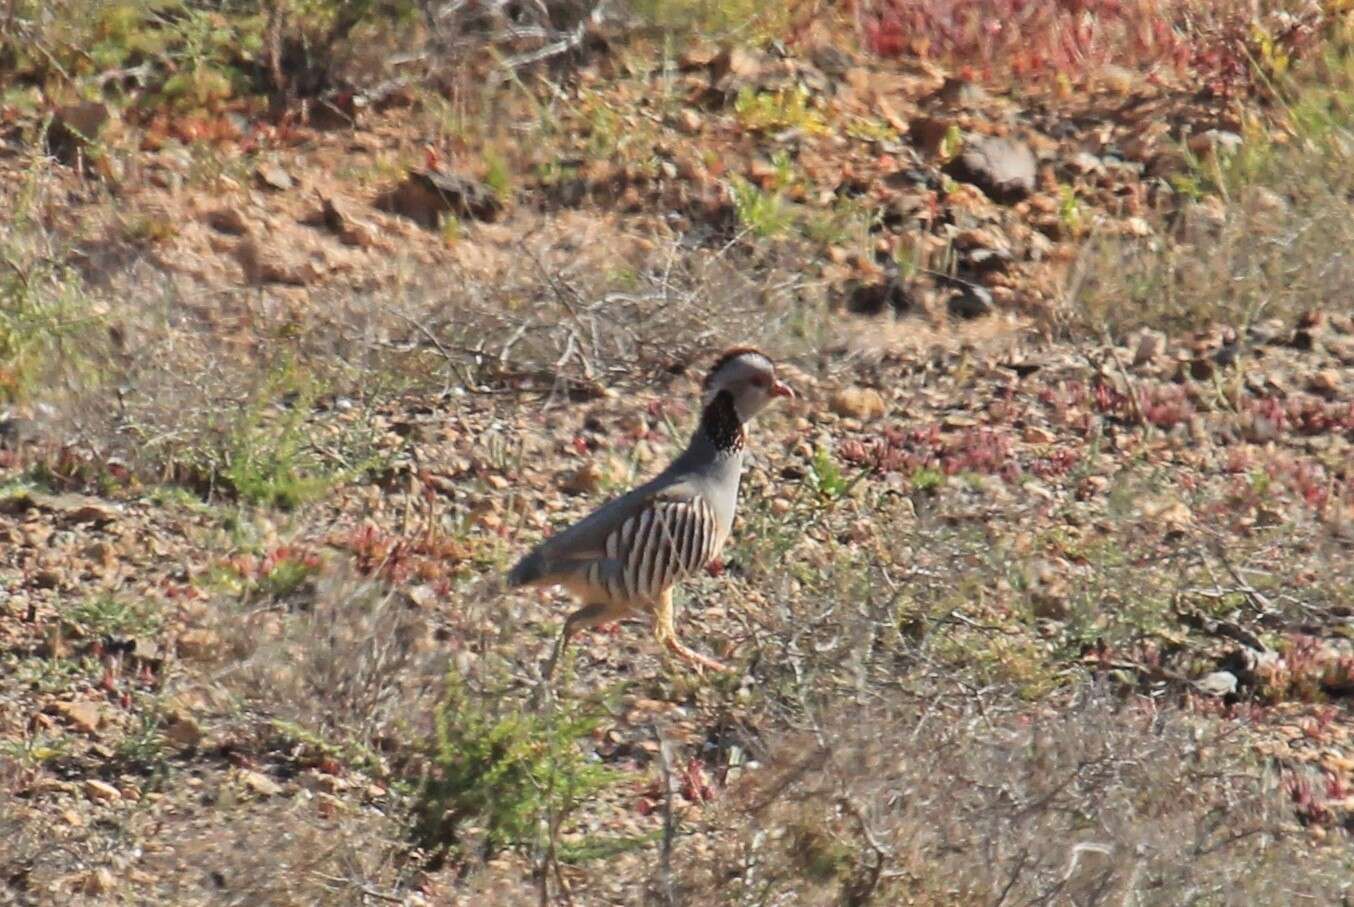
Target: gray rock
273, 176
1219, 683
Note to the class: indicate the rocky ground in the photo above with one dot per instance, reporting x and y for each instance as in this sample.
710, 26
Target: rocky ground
1040, 590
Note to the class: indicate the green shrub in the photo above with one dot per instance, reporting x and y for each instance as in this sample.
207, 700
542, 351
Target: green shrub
765, 214
45, 313
515, 774
189, 52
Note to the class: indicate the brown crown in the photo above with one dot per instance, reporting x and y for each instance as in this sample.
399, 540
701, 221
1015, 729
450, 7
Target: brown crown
726, 357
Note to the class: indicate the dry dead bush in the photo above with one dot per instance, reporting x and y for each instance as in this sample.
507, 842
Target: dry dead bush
307, 849
1259, 232
351, 671
301, 850
551, 319
970, 796
1266, 257
295, 851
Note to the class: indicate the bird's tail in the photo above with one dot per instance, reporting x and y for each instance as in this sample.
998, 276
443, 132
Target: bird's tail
529, 570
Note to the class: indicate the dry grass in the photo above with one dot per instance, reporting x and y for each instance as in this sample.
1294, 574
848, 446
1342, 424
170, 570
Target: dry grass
971, 629
949, 794
342, 669
1257, 234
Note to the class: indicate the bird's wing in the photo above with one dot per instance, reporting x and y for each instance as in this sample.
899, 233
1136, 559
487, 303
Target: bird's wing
650, 535
672, 536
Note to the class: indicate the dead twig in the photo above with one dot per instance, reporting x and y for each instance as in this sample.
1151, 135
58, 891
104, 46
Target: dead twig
669, 824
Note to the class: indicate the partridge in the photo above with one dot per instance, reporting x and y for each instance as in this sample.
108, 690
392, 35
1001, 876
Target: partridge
627, 555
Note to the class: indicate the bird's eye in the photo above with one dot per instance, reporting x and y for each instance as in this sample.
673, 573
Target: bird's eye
761, 381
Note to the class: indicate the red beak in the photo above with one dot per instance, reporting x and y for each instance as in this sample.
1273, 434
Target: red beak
781, 389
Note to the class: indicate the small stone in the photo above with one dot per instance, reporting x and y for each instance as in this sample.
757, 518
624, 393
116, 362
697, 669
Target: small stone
74, 127
227, 220
184, 731
259, 783
336, 217
97, 882
1326, 383
426, 195
957, 92
101, 791
198, 642
1137, 227
862, 403
1084, 163
1269, 331
1201, 221
1119, 79
698, 55
84, 716
587, 479
970, 302
1003, 168
734, 68
689, 121
1215, 141
273, 176
272, 264
1151, 344
875, 298
930, 133
1219, 683
1036, 435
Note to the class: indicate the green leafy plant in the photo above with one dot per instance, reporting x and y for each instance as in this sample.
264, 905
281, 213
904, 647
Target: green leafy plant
282, 572
268, 459
826, 477
765, 214
109, 615
516, 774
927, 480
497, 173
143, 747
45, 313
765, 111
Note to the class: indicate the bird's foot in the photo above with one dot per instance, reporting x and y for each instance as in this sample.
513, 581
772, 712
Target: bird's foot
697, 661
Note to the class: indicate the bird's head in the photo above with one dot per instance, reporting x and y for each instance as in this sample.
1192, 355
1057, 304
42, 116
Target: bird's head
749, 377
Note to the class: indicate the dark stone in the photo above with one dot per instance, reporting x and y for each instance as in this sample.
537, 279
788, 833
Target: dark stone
986, 261
1003, 168
74, 127
425, 195
872, 299
971, 302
